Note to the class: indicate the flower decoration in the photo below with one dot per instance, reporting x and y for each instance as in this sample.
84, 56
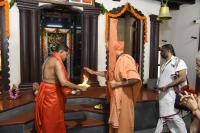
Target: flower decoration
103, 10
5, 4
133, 12
14, 92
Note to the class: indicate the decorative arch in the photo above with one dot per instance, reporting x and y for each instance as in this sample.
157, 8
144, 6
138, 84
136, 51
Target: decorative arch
140, 36
120, 11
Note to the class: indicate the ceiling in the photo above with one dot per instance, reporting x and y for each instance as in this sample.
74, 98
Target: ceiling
175, 4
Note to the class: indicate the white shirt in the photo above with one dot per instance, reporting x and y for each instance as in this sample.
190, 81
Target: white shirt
167, 98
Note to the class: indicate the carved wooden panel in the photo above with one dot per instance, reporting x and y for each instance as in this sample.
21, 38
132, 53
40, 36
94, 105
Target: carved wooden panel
154, 46
30, 15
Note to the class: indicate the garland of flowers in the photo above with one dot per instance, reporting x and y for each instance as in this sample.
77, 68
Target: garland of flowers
132, 10
56, 38
5, 4
43, 38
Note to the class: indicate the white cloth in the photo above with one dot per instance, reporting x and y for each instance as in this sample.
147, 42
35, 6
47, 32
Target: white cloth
175, 125
167, 98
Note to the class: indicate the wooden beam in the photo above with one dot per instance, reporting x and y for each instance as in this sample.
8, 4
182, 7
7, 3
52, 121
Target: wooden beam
180, 1
174, 6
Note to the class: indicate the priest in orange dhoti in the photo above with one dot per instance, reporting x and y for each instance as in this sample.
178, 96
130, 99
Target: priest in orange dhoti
49, 103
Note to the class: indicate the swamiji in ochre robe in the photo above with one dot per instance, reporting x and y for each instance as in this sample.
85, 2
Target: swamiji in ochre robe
125, 89
49, 103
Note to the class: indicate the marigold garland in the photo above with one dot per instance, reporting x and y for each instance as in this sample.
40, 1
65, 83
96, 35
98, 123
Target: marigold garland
132, 10
5, 4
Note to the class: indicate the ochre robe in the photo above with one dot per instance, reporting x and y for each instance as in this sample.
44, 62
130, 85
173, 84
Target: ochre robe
49, 106
124, 98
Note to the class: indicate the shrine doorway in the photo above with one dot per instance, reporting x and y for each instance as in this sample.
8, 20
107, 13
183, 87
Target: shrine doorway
58, 26
82, 27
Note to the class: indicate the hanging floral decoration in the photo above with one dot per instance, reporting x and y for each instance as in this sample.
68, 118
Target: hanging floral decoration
134, 13
55, 38
5, 4
13, 92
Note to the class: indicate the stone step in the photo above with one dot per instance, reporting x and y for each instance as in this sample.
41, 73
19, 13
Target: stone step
82, 126
16, 111
86, 126
83, 123
22, 118
10, 108
85, 111
85, 100
28, 116
25, 125
85, 107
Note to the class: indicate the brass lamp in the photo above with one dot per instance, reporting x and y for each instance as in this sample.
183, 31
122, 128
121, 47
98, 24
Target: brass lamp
164, 12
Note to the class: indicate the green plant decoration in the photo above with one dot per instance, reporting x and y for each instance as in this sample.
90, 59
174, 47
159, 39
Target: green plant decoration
12, 2
103, 10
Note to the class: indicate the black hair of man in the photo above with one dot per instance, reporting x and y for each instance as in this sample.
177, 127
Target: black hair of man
170, 48
62, 47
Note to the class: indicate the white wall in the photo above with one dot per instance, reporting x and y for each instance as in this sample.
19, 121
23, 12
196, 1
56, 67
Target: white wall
179, 30
147, 7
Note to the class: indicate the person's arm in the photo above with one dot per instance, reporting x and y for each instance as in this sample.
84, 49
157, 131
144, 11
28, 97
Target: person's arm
196, 113
190, 102
63, 81
124, 83
180, 78
193, 106
98, 73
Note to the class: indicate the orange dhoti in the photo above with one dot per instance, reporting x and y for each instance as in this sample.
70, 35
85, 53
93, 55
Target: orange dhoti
49, 109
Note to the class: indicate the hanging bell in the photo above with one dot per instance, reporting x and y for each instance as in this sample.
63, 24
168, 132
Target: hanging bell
164, 12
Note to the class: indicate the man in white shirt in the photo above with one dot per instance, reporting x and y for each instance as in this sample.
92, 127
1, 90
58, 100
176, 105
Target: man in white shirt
173, 73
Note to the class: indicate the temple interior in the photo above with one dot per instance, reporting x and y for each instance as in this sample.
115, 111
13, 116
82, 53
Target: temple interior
31, 31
